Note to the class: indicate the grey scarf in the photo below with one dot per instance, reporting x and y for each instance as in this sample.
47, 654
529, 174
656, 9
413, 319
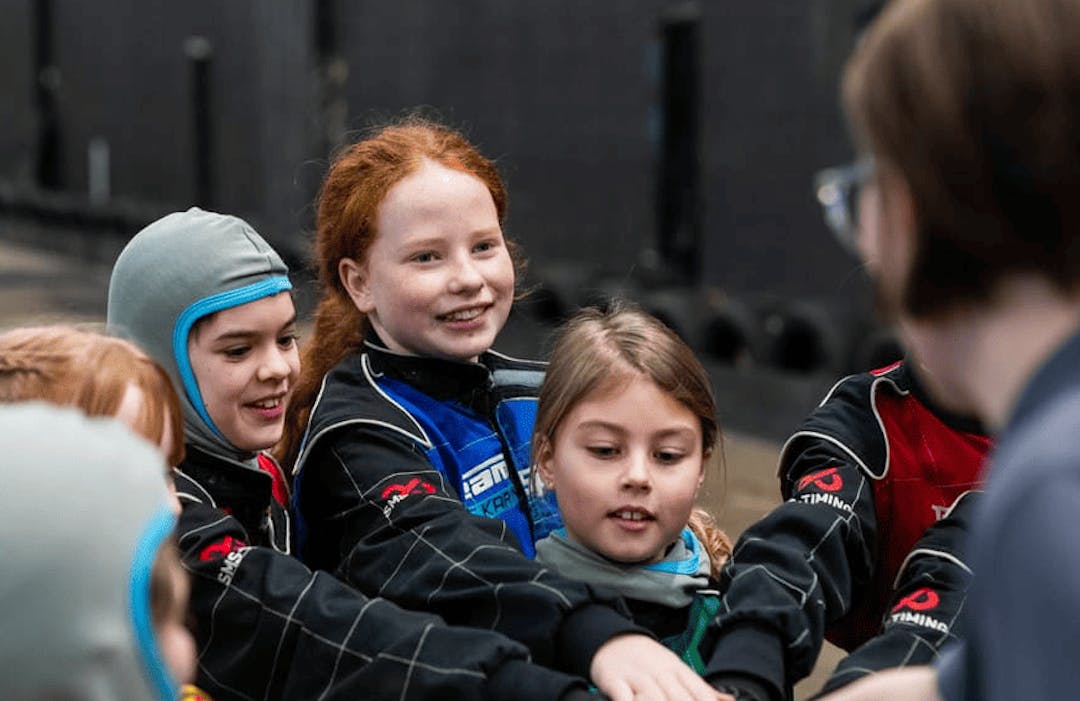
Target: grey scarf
670, 582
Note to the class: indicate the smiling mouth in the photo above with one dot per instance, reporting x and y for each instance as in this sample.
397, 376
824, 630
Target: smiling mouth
463, 314
273, 403
632, 515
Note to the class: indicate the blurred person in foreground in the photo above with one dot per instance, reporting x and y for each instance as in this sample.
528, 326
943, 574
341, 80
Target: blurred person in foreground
109, 377
970, 225
92, 596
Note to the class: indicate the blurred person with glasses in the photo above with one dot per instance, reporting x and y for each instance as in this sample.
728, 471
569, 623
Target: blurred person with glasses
879, 485
970, 109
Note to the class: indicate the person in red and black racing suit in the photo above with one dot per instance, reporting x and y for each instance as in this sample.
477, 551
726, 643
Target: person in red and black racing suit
866, 549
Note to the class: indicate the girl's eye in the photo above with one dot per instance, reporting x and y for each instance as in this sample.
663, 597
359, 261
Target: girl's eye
236, 352
288, 340
668, 457
484, 246
423, 257
603, 451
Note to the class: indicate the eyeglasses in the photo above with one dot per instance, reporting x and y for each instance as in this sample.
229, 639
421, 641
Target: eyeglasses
837, 190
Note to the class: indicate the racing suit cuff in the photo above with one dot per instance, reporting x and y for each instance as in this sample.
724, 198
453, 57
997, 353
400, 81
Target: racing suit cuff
744, 687
517, 680
751, 650
587, 628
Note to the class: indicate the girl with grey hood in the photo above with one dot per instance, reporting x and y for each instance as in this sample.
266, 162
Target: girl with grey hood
209, 299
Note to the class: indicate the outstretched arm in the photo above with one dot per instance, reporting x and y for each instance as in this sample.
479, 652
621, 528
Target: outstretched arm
377, 513
926, 609
905, 684
795, 570
268, 627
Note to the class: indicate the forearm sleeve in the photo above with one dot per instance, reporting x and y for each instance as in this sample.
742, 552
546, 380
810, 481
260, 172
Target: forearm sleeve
795, 570
267, 627
389, 525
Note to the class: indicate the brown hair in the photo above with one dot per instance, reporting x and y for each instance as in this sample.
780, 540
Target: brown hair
597, 346
355, 186
90, 371
975, 105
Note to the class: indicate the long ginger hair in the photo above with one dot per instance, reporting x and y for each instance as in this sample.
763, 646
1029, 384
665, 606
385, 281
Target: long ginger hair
345, 227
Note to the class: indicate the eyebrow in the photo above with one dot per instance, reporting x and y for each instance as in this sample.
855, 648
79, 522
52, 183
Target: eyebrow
599, 423
239, 334
663, 433
431, 241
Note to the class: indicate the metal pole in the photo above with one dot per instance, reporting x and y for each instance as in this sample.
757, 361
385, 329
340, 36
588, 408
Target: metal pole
200, 55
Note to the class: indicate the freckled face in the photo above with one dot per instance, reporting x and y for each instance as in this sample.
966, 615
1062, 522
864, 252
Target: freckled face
626, 464
438, 279
246, 361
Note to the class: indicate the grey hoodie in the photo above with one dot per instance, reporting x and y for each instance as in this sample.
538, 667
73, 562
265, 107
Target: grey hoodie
85, 511
180, 268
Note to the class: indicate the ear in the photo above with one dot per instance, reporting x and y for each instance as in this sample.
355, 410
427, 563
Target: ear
353, 277
543, 463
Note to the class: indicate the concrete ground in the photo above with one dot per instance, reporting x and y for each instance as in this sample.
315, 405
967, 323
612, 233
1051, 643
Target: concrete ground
39, 287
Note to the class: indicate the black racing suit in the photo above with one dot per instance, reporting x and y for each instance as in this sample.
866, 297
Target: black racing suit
864, 478
267, 627
381, 490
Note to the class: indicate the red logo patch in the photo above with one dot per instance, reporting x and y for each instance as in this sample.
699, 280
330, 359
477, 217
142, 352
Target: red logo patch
828, 480
920, 600
220, 549
413, 486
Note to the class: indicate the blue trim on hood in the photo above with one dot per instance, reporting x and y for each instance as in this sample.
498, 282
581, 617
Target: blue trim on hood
146, 550
204, 307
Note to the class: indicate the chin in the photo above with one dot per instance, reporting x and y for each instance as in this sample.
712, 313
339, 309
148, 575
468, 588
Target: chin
256, 443
465, 353
629, 558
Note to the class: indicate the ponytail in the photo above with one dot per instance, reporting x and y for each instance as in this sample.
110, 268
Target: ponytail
716, 543
338, 331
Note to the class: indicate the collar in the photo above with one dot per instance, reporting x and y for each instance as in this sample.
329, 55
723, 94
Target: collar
1057, 376
199, 458
442, 379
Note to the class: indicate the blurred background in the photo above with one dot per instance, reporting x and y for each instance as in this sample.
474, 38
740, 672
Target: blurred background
658, 149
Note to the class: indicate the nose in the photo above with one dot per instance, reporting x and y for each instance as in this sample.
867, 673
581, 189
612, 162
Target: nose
636, 473
465, 277
275, 366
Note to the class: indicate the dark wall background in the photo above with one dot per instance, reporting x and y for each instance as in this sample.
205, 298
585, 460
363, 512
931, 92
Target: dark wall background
125, 77
567, 96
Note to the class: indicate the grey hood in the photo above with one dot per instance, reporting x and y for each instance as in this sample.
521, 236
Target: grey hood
85, 512
180, 268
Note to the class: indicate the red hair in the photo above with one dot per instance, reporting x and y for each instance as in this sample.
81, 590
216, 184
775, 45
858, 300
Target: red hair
355, 186
91, 372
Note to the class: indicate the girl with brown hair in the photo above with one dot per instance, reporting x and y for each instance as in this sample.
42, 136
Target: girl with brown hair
626, 478
410, 436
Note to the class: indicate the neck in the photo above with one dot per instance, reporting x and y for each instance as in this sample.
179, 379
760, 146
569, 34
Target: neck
984, 355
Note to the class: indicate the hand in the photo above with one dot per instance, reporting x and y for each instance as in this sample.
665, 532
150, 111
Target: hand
902, 684
637, 668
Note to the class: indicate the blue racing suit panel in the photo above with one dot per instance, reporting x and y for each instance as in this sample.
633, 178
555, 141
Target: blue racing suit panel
469, 453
